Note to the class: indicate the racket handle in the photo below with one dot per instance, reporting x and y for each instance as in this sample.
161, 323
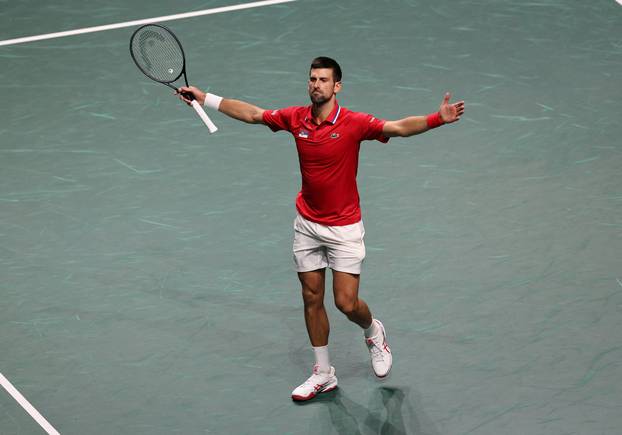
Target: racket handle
208, 122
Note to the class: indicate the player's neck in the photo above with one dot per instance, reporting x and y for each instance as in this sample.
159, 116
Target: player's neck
321, 111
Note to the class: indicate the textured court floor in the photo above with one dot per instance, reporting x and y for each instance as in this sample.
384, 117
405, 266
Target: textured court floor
146, 283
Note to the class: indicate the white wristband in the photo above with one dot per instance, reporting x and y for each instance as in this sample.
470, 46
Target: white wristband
212, 101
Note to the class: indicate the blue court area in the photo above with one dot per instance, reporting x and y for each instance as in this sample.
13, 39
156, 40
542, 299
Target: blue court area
146, 279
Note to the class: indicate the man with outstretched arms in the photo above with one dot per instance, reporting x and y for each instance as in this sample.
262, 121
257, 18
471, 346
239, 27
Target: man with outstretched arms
328, 230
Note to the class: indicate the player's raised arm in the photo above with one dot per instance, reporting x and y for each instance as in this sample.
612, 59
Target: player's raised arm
236, 109
412, 125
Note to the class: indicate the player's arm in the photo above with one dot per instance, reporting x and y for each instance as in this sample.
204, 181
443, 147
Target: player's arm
236, 109
412, 125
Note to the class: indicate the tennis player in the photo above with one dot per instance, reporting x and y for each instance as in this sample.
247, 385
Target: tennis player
328, 230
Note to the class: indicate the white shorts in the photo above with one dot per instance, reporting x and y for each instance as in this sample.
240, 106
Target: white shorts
317, 246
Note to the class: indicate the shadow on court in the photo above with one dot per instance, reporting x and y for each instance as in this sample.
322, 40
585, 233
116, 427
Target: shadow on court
389, 412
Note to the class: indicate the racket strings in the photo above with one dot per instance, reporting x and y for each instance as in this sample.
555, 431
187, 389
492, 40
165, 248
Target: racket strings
158, 54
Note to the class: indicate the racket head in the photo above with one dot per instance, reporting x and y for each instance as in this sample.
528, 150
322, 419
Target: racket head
157, 52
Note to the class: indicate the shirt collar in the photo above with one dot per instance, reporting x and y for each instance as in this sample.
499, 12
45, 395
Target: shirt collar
332, 117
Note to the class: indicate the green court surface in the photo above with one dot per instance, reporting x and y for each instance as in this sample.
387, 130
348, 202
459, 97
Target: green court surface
146, 279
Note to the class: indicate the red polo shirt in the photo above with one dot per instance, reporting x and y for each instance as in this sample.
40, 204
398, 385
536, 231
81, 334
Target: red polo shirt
328, 155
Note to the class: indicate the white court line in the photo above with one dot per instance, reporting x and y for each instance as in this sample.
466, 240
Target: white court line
144, 21
27, 406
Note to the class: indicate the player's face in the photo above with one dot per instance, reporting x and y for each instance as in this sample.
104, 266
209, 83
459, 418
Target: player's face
322, 85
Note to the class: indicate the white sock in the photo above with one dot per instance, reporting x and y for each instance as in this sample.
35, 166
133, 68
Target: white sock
372, 330
321, 358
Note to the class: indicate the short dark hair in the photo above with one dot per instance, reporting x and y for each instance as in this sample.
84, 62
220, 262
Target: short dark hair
327, 62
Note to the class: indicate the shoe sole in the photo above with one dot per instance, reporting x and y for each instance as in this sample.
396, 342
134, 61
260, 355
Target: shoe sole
382, 376
312, 395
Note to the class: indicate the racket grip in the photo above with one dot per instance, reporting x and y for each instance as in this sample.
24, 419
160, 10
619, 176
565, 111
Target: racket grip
208, 122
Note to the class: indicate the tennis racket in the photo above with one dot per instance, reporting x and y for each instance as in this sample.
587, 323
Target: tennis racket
158, 54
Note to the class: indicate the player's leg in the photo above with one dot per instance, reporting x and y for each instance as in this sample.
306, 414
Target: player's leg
323, 378
345, 290
346, 254
310, 260
316, 318
345, 257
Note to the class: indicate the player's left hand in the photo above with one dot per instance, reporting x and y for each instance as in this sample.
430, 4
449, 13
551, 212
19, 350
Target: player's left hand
451, 112
184, 91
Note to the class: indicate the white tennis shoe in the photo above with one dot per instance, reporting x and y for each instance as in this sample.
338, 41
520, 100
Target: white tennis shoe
379, 351
318, 383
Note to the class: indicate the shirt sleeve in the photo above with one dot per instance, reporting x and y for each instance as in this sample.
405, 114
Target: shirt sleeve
279, 119
371, 127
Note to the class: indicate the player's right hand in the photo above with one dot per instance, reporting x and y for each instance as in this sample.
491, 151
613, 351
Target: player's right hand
184, 92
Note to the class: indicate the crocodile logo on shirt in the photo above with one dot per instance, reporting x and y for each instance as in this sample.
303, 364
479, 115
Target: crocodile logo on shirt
334, 135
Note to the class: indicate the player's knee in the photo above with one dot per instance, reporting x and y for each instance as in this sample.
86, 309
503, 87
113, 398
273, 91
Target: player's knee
346, 305
312, 296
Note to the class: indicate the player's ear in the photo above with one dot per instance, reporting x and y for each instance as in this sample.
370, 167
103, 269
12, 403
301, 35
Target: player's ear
337, 87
